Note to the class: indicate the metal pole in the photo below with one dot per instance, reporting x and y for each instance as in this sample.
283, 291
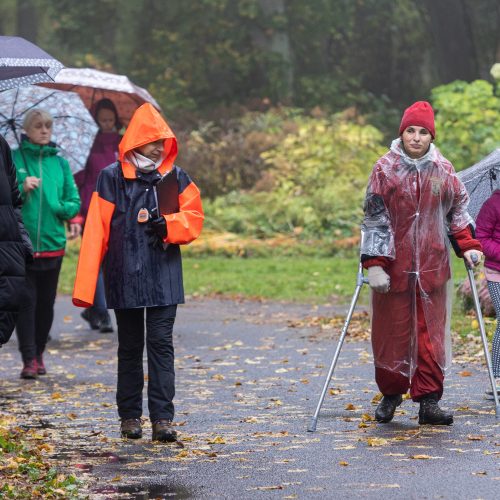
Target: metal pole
360, 279
484, 338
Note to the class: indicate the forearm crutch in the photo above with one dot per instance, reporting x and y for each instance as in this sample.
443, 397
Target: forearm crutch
360, 280
477, 307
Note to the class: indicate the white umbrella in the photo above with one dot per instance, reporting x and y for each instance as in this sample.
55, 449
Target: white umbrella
73, 128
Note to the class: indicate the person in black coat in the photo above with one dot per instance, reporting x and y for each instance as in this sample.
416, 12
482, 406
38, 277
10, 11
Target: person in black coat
15, 244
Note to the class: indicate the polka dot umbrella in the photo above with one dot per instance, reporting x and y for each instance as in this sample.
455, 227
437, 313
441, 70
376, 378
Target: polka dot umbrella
73, 129
24, 63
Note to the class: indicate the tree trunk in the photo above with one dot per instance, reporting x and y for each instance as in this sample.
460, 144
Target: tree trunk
26, 20
276, 41
453, 40
497, 45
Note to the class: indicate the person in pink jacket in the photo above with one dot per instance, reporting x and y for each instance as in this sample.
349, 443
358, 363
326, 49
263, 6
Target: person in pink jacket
488, 233
104, 152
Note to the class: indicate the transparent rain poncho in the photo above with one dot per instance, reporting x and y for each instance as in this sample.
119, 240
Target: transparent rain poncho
411, 207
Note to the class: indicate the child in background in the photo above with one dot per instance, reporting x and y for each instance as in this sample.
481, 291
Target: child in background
104, 152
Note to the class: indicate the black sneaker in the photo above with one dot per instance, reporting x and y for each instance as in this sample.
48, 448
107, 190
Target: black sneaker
386, 408
90, 316
162, 431
430, 413
131, 428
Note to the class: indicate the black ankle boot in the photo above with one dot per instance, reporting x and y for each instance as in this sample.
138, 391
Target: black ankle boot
386, 408
105, 326
91, 317
431, 414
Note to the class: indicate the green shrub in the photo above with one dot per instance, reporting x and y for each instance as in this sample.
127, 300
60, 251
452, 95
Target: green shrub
467, 121
226, 156
315, 184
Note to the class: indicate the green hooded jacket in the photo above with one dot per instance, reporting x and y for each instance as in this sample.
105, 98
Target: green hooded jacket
54, 201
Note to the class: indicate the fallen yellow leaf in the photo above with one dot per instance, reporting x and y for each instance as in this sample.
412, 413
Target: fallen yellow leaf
217, 440
475, 438
376, 441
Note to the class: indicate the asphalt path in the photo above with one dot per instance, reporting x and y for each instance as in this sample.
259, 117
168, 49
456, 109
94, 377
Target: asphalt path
248, 378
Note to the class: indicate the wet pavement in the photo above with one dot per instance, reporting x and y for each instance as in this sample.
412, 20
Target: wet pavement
248, 378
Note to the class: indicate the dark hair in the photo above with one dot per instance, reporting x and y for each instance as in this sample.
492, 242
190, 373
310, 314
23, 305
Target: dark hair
106, 103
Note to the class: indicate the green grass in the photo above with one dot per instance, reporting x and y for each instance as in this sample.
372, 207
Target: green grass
300, 278
306, 279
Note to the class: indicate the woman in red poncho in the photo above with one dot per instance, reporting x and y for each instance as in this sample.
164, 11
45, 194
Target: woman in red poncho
415, 205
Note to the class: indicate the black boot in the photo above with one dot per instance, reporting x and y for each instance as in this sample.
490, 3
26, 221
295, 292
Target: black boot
386, 408
105, 325
91, 317
431, 414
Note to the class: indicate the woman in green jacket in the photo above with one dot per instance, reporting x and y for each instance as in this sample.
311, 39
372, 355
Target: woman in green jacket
50, 198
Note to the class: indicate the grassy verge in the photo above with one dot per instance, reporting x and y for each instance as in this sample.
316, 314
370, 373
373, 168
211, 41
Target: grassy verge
313, 279
300, 278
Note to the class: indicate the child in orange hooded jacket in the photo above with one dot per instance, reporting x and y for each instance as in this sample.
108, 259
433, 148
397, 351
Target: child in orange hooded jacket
139, 249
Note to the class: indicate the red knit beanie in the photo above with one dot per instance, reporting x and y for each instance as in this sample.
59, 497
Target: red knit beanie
420, 114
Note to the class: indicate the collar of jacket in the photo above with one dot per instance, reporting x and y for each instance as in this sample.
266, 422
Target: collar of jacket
149, 177
397, 148
130, 172
49, 149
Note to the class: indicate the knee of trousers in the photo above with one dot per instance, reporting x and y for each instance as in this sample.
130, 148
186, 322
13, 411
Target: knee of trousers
130, 352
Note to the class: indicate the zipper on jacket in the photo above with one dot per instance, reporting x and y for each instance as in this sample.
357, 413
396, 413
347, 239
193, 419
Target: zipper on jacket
40, 174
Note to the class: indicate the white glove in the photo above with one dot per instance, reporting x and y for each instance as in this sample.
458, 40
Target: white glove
379, 280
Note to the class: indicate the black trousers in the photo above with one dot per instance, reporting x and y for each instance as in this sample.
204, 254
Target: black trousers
160, 355
36, 312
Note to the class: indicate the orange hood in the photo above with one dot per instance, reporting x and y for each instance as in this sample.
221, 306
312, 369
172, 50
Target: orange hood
146, 126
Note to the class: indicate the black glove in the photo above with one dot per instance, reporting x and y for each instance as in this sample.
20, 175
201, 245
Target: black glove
157, 231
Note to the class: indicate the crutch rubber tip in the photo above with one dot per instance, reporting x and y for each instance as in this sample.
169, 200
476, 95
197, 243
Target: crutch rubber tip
312, 425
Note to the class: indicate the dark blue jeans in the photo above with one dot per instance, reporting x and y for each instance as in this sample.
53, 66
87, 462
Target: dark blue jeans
100, 297
160, 354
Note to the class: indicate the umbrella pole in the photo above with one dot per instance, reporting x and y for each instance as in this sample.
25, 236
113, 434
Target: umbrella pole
360, 280
484, 338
